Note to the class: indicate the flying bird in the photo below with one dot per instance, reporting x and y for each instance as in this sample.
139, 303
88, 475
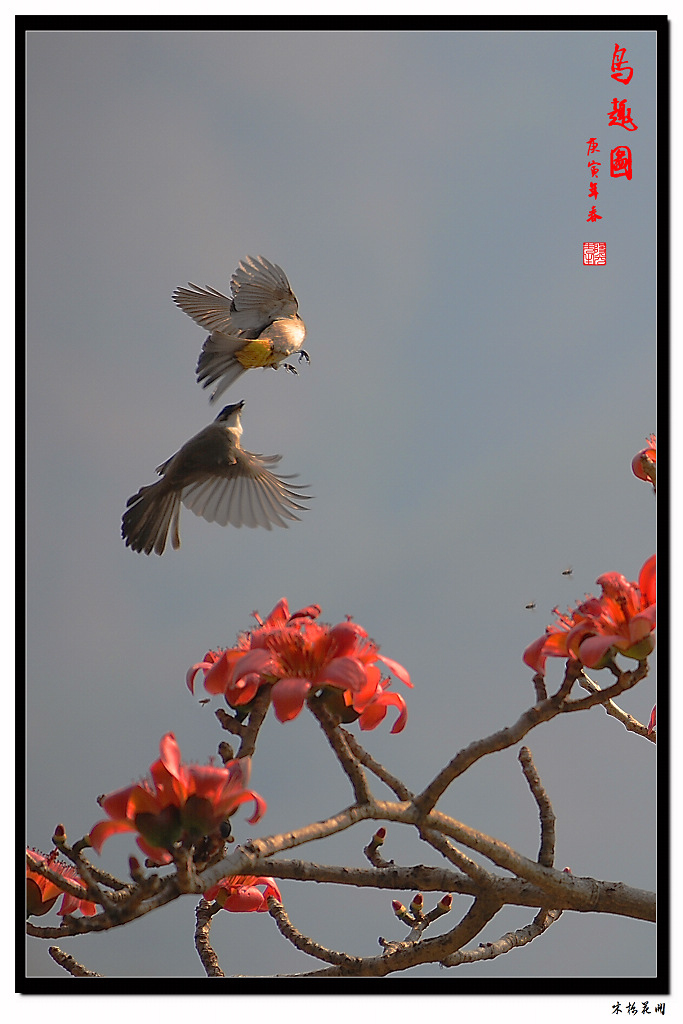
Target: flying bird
258, 325
215, 478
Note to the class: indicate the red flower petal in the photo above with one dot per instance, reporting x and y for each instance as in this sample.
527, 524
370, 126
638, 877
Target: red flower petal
278, 616
346, 672
396, 669
647, 581
368, 690
375, 711
100, 832
346, 636
259, 660
534, 657
371, 716
155, 853
641, 625
594, 648
288, 696
260, 806
243, 690
192, 672
116, 803
170, 754
219, 674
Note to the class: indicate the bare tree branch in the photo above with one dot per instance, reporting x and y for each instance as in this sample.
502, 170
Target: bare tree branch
203, 914
70, 964
337, 738
628, 721
520, 937
546, 854
394, 784
501, 740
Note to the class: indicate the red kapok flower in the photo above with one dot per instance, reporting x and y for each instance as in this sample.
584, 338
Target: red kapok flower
182, 803
627, 618
239, 893
42, 893
296, 656
621, 621
644, 464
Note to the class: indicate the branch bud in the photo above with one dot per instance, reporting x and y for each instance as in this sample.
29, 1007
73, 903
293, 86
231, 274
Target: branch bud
59, 837
401, 912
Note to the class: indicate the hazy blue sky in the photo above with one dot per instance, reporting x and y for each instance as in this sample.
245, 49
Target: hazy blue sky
467, 423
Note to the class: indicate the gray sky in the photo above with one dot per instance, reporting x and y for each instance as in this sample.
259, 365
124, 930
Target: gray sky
467, 422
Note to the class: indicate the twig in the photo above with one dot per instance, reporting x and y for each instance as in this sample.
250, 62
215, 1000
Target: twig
540, 687
394, 784
572, 671
70, 964
628, 721
625, 681
507, 737
337, 738
75, 855
257, 713
120, 913
207, 955
230, 723
305, 944
546, 853
482, 878
401, 956
371, 851
397, 956
520, 937
63, 883
95, 892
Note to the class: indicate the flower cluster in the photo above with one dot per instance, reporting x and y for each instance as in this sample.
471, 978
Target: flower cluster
182, 803
240, 894
295, 656
644, 464
620, 621
42, 893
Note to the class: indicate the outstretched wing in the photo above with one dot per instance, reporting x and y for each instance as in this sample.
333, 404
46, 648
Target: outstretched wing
207, 307
245, 493
260, 294
261, 288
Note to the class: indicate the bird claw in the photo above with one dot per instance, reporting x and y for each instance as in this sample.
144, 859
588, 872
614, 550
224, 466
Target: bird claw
302, 355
